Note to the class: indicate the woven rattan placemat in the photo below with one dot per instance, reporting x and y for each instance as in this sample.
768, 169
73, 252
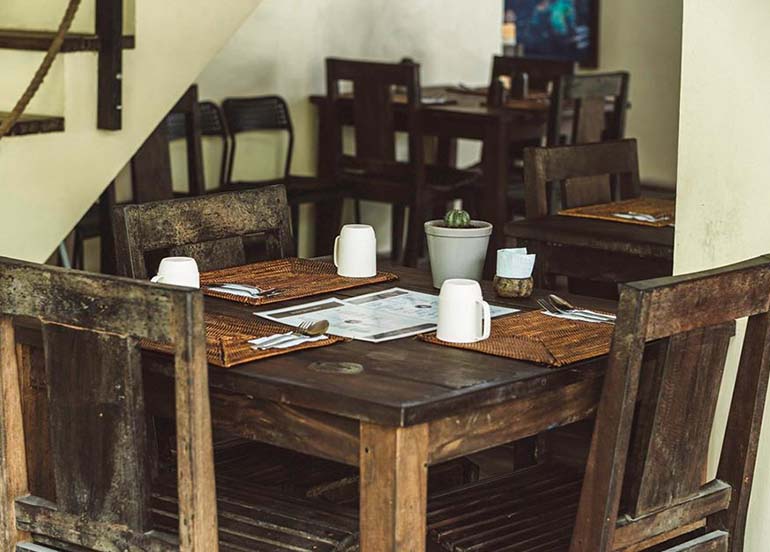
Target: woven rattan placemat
294, 277
227, 340
537, 337
644, 205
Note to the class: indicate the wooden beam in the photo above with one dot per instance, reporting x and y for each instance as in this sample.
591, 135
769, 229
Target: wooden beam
300, 429
456, 436
109, 28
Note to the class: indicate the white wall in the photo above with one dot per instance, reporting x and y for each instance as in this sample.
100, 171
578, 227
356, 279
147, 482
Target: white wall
724, 170
281, 50
644, 37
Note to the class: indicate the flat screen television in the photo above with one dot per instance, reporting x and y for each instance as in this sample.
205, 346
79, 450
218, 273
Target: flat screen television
557, 28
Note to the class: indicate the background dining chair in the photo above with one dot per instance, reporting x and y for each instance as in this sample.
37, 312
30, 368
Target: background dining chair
579, 102
217, 230
269, 114
106, 497
643, 484
594, 255
373, 172
187, 120
211, 125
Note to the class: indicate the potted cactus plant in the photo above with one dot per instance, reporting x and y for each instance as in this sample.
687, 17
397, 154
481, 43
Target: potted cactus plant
457, 246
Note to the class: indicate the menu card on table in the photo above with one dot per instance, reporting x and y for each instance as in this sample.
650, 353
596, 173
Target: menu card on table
375, 317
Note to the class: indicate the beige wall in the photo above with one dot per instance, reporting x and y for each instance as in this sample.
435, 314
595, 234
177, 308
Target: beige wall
281, 48
643, 37
724, 170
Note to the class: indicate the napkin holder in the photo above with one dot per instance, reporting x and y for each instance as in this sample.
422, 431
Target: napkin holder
514, 273
513, 287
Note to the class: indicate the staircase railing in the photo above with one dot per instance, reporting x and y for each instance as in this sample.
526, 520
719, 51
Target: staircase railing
109, 30
42, 70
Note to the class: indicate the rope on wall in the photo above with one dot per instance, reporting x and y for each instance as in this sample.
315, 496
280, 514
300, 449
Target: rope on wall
42, 71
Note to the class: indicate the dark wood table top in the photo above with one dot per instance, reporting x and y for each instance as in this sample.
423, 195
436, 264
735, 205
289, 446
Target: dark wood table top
637, 239
403, 382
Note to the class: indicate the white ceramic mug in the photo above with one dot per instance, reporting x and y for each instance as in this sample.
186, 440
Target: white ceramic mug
355, 251
178, 271
463, 315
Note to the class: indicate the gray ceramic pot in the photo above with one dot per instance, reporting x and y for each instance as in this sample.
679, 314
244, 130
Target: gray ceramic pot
457, 252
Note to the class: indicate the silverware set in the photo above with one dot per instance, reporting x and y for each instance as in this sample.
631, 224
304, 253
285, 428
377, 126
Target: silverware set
253, 291
641, 217
556, 306
305, 332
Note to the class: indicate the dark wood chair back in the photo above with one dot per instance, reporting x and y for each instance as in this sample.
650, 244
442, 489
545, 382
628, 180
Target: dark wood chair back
212, 125
91, 327
654, 422
587, 96
575, 169
217, 230
376, 87
256, 114
543, 72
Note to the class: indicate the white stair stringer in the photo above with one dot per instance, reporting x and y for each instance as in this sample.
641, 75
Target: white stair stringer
47, 181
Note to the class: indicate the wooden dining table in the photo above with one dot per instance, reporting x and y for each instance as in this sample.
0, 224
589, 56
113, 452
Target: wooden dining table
391, 408
463, 115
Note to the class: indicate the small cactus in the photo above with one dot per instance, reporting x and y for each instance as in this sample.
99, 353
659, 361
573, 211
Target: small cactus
457, 218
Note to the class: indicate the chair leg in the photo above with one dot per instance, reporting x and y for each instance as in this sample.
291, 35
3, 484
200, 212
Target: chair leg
77, 261
357, 207
295, 226
415, 237
397, 232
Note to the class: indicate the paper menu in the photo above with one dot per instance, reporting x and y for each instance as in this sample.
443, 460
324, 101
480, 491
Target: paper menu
375, 317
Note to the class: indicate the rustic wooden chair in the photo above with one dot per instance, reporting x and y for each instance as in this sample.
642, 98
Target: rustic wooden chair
373, 172
217, 230
92, 326
644, 483
586, 96
599, 252
271, 113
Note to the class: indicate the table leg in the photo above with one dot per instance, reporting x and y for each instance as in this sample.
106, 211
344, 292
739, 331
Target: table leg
494, 200
394, 488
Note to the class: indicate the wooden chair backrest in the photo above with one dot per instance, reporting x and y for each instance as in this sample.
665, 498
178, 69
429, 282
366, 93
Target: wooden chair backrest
216, 230
256, 114
375, 87
587, 95
91, 326
574, 168
654, 421
543, 73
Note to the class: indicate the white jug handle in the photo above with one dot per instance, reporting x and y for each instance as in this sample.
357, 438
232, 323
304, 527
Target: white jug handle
157, 279
336, 247
486, 320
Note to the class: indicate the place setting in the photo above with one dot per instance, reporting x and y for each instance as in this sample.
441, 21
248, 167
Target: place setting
557, 335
